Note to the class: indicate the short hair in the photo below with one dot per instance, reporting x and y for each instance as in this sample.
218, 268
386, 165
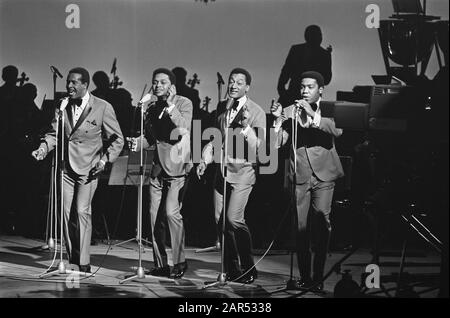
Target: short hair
162, 70
239, 70
10, 73
313, 33
314, 75
83, 72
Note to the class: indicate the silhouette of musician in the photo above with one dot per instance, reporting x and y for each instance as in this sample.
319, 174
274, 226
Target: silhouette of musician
309, 56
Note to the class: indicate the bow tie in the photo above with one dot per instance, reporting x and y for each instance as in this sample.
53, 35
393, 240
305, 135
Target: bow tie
235, 104
76, 102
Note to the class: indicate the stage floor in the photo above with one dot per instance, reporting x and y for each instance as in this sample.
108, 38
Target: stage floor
22, 260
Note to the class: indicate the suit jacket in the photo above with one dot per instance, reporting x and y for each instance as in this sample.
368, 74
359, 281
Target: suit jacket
242, 171
83, 142
301, 58
316, 151
174, 156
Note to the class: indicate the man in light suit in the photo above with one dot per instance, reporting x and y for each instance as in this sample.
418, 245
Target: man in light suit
86, 118
314, 166
167, 124
247, 121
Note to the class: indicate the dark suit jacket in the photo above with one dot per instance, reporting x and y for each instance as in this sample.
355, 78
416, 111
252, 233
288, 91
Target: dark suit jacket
83, 142
318, 156
301, 58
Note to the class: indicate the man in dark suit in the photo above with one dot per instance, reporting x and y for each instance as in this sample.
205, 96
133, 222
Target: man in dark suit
309, 56
247, 122
314, 166
86, 118
167, 124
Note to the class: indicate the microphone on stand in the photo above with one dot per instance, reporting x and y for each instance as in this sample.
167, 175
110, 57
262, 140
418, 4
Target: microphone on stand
64, 103
230, 102
55, 71
147, 97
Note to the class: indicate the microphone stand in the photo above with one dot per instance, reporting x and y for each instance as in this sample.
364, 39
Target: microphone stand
141, 181
52, 202
222, 279
291, 283
61, 266
140, 273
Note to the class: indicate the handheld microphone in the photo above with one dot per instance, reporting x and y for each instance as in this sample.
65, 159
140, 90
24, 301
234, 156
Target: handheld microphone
55, 71
64, 103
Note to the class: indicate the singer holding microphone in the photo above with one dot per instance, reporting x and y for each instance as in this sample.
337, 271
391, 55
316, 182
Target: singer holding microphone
167, 124
243, 118
314, 166
86, 117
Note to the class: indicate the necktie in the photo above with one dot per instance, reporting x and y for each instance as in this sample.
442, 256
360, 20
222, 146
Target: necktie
314, 106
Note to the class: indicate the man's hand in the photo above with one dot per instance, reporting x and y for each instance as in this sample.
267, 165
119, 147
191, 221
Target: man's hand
99, 167
302, 104
40, 153
172, 93
245, 116
201, 169
134, 143
276, 109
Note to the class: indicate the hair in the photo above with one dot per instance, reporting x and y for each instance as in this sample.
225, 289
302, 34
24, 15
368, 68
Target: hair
84, 74
313, 34
10, 73
239, 70
314, 75
162, 70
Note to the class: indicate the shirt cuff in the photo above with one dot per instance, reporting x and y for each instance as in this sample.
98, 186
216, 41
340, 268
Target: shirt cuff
170, 108
277, 125
245, 130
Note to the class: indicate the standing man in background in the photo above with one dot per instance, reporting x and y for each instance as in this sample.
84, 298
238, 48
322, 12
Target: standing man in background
309, 56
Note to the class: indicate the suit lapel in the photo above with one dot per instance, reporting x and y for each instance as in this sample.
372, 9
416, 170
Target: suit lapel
238, 115
68, 122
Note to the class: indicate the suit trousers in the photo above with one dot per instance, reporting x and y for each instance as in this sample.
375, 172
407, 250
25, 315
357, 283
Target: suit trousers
313, 203
238, 241
78, 192
166, 197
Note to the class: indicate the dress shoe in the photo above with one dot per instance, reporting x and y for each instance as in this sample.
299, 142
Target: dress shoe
303, 283
163, 271
318, 288
85, 268
178, 270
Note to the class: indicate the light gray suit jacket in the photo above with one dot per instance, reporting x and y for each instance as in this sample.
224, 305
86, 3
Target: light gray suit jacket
244, 172
83, 142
